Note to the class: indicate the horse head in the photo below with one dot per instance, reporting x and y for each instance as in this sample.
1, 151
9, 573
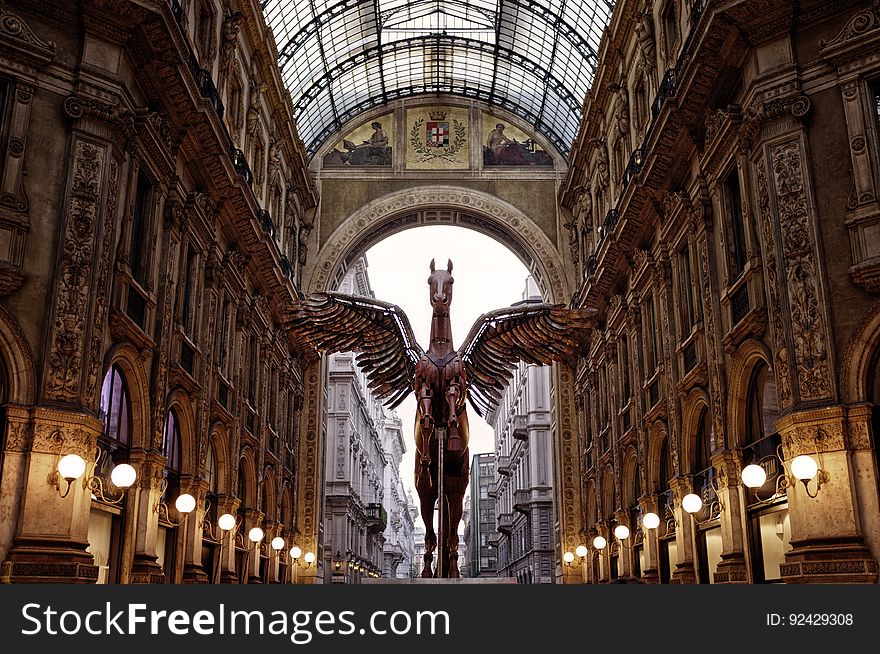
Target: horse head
440, 285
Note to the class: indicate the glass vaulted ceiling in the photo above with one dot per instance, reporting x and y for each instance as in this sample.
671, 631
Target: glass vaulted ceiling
535, 58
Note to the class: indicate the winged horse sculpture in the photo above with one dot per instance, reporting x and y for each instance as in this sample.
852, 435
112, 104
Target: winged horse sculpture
395, 365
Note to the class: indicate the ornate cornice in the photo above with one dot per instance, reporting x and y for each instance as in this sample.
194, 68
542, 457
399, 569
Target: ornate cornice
17, 38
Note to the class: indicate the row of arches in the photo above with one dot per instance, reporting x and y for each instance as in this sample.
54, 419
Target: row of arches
749, 528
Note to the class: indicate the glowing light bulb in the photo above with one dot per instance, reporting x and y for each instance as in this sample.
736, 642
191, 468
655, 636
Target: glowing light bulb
71, 467
753, 476
650, 520
185, 503
691, 503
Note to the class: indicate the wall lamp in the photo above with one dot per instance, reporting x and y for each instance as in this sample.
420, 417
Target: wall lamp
296, 554
580, 552
185, 504
255, 536
72, 466
622, 534
692, 504
804, 468
226, 522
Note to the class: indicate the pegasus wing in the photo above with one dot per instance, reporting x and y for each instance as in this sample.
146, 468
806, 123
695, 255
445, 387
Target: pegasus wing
378, 332
532, 332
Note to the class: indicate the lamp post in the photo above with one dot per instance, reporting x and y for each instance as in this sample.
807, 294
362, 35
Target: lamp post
226, 522
277, 545
255, 535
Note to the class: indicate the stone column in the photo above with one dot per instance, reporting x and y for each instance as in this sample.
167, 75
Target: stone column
684, 572
252, 518
603, 554
827, 541
566, 464
651, 544
191, 532
625, 551
228, 504
52, 534
145, 567
732, 568
310, 475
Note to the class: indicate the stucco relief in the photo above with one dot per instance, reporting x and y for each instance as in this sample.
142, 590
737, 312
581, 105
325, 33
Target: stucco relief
74, 280
808, 326
780, 356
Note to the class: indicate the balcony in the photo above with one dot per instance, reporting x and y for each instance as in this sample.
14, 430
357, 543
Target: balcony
494, 539
634, 167
521, 500
666, 91
266, 224
505, 523
206, 86
521, 428
502, 464
239, 162
286, 268
377, 518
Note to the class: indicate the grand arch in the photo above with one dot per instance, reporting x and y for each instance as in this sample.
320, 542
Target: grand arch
451, 205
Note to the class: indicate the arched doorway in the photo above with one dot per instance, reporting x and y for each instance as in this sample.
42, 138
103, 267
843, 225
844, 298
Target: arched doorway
480, 211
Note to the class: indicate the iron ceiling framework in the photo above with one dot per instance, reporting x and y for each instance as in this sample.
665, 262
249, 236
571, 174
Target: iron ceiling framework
535, 58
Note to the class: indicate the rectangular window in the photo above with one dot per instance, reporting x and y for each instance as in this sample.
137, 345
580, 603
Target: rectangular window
875, 101
687, 292
222, 337
252, 372
739, 251
189, 291
670, 29
4, 86
623, 353
273, 392
204, 27
650, 337
140, 227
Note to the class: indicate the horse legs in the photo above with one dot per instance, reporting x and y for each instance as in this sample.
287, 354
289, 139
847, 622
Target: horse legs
455, 484
427, 490
427, 501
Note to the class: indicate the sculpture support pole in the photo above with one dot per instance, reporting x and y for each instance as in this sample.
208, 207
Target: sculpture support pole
441, 503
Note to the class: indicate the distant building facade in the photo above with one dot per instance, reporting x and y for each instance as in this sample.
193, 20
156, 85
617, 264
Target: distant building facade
480, 526
524, 492
357, 426
398, 550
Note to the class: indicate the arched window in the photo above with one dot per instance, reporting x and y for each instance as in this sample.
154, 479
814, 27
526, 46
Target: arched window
705, 482
171, 443
168, 533
769, 527
210, 534
668, 548
211, 470
635, 516
116, 407
106, 520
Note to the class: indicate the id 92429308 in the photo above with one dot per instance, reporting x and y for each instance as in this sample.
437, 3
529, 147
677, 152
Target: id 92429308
809, 619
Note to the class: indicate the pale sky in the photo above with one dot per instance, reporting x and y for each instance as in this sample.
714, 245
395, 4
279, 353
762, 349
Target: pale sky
487, 276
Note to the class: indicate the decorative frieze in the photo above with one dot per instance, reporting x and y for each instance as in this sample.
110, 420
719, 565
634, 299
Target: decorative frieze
805, 303
73, 287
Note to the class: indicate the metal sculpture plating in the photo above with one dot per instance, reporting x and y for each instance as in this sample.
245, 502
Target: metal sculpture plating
442, 377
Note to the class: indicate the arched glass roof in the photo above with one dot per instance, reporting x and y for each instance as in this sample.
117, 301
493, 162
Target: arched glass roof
535, 58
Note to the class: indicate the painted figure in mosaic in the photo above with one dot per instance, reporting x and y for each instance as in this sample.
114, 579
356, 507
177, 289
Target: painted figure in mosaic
442, 378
